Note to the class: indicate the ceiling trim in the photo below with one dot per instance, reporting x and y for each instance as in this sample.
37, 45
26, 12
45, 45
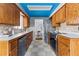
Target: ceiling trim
58, 7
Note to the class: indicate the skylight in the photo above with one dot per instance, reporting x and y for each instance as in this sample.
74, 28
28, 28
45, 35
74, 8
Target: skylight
39, 7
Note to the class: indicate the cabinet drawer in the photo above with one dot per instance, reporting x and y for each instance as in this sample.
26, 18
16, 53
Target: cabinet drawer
64, 40
63, 50
13, 52
13, 44
13, 41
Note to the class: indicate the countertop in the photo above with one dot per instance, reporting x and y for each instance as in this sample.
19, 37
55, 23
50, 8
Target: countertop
70, 35
15, 35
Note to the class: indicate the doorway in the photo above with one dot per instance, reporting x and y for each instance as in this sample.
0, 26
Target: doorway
39, 29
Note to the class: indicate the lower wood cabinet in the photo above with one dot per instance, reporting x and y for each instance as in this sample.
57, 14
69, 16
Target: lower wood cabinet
13, 52
13, 47
67, 46
9, 48
49, 37
29, 39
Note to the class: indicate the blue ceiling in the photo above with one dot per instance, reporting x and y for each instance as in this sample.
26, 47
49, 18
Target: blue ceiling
38, 13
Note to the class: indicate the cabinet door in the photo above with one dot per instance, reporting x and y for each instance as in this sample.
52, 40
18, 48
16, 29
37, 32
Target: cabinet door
26, 21
4, 48
4, 14
13, 52
54, 22
13, 47
9, 14
1, 13
72, 13
63, 50
17, 17
49, 37
12, 14
66, 51
60, 15
29, 39
63, 46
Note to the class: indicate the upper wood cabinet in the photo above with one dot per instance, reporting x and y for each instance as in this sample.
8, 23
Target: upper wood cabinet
72, 13
59, 17
26, 21
9, 48
54, 22
17, 17
68, 13
9, 14
60, 14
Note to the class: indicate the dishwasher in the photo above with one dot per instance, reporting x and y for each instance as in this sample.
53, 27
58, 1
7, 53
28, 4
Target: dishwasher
53, 41
22, 47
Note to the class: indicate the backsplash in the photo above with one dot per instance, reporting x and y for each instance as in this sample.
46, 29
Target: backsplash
68, 28
5, 28
11, 29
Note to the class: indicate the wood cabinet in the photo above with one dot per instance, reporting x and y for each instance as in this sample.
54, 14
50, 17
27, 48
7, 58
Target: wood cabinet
61, 15
63, 48
9, 14
54, 22
67, 46
72, 13
16, 17
26, 21
69, 13
29, 39
4, 14
13, 47
4, 48
9, 48
49, 37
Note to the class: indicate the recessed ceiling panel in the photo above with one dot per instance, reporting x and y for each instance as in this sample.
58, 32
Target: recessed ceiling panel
38, 7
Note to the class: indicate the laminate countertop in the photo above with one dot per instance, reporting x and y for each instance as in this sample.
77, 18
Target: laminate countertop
14, 36
70, 35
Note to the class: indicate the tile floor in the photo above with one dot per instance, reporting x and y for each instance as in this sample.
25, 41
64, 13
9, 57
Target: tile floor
39, 48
